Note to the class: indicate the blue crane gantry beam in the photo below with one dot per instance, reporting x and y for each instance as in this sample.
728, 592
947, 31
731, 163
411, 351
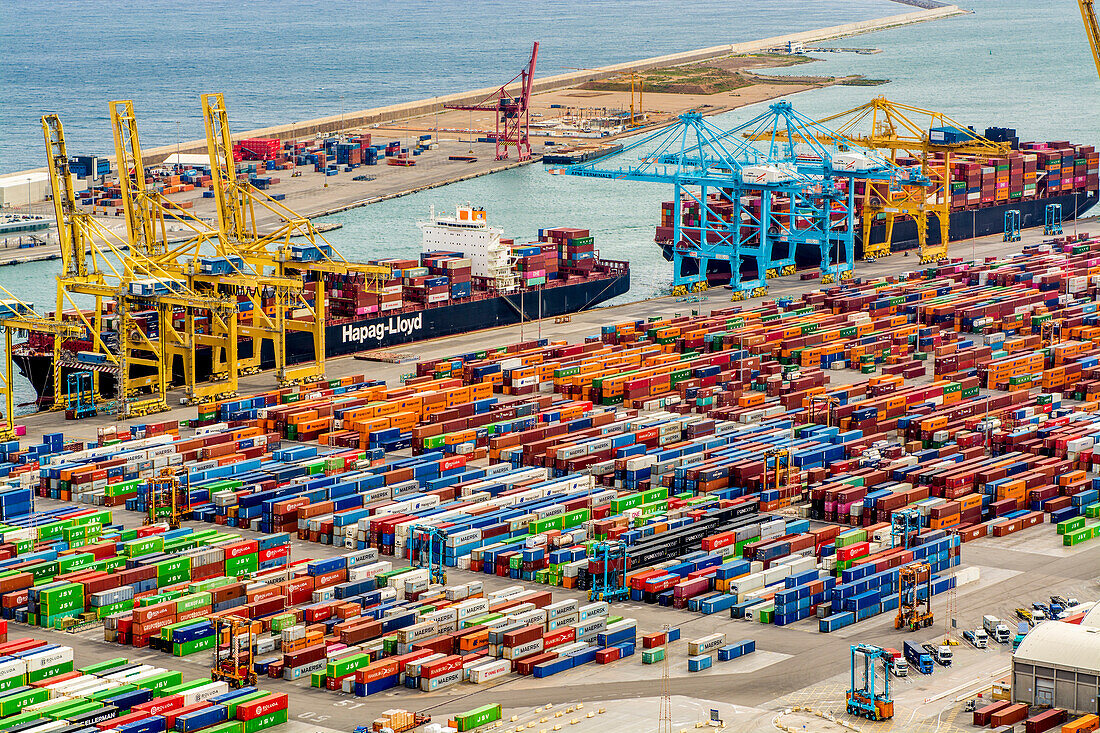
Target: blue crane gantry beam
762, 189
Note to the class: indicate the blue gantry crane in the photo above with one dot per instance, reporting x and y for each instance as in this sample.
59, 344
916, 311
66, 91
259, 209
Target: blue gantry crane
1012, 225
1052, 220
430, 543
862, 699
762, 189
904, 527
609, 580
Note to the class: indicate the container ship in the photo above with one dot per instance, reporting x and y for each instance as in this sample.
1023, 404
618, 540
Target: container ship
1030, 178
467, 277
570, 155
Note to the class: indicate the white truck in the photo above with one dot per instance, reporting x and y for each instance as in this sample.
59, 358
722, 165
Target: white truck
941, 653
977, 638
898, 666
996, 629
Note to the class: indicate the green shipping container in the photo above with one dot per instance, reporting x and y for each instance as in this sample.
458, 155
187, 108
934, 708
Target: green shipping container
99, 667
161, 682
47, 672
10, 683
193, 601
264, 722
14, 720
477, 717
1071, 525
12, 704
110, 564
173, 571
1076, 538
346, 665
120, 607
652, 656
191, 647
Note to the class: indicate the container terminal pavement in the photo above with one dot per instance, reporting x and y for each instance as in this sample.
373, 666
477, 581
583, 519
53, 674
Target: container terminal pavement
745, 462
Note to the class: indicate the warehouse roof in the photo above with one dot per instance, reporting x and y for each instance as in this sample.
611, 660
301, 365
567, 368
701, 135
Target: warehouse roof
1060, 644
1092, 618
196, 160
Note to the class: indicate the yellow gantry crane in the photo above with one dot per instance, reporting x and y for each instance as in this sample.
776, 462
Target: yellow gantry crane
903, 133
147, 306
1092, 29
18, 318
134, 285
290, 260
269, 258
163, 272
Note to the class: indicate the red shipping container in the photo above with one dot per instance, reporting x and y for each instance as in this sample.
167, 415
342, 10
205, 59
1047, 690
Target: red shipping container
558, 637
440, 667
239, 549
159, 706
328, 579
259, 708
1044, 721
377, 671
273, 553
171, 715
1008, 716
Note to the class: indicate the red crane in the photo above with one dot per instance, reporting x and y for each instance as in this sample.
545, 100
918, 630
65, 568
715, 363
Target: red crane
513, 114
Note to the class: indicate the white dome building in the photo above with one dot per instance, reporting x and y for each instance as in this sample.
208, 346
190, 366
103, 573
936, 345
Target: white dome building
1058, 664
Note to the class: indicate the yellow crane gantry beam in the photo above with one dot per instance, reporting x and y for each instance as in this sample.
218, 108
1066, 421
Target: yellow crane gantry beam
18, 317
1092, 29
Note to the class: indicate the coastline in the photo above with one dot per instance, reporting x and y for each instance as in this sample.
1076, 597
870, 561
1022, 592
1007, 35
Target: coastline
417, 108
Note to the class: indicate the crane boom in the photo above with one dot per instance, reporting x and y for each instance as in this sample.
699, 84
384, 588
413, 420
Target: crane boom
513, 115
1088, 15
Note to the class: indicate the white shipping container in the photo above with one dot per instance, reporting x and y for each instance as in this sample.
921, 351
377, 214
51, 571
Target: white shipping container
490, 671
444, 680
561, 608
472, 607
523, 650
207, 691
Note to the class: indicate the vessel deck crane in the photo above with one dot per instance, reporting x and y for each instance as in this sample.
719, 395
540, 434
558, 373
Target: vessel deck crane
513, 114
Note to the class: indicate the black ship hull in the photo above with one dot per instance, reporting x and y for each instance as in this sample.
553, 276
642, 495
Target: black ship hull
387, 331
965, 224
